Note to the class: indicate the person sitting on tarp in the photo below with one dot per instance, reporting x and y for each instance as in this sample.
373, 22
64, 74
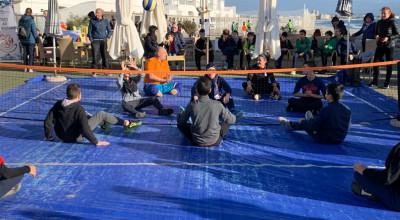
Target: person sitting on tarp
332, 123
10, 178
220, 90
132, 101
380, 185
261, 83
313, 91
157, 84
206, 130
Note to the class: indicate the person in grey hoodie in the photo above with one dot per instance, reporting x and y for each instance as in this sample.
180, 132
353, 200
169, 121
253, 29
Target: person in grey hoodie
28, 43
132, 101
205, 130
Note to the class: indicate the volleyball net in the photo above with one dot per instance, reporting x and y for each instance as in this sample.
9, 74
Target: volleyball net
28, 96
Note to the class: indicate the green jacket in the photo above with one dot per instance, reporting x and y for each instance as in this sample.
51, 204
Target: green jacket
248, 46
331, 43
303, 45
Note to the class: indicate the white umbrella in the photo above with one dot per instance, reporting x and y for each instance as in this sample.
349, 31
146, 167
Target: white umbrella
157, 18
125, 36
267, 30
52, 26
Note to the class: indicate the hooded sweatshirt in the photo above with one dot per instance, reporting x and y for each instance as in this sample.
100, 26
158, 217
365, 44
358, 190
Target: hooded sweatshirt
367, 30
126, 95
70, 121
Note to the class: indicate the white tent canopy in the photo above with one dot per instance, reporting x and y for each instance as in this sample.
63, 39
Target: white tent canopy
157, 18
125, 36
267, 30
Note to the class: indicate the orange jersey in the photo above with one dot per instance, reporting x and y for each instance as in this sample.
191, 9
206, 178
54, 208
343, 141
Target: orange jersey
154, 64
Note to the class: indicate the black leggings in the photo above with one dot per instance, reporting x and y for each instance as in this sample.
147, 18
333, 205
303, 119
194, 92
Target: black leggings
378, 57
133, 106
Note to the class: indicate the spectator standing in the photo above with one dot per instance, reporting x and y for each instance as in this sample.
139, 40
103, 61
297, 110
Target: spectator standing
367, 30
28, 43
99, 33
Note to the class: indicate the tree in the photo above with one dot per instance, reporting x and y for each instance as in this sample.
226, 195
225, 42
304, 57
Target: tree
77, 21
189, 27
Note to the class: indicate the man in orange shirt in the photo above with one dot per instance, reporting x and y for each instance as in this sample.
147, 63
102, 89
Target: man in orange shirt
156, 84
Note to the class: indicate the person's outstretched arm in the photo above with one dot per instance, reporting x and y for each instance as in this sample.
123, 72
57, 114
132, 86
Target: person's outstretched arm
18, 171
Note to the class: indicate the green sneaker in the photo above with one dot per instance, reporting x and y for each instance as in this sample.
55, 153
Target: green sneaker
132, 126
106, 127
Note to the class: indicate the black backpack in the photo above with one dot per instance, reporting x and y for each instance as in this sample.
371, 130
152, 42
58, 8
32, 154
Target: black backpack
23, 34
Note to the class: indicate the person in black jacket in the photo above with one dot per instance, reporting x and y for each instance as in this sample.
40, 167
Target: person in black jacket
331, 124
342, 49
220, 90
201, 49
10, 178
150, 42
380, 185
261, 83
286, 45
386, 32
72, 123
338, 24
228, 48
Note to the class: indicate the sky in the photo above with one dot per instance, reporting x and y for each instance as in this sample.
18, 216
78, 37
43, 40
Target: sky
324, 6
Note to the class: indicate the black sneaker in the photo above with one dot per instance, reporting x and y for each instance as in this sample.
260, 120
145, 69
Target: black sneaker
289, 108
385, 86
358, 190
166, 111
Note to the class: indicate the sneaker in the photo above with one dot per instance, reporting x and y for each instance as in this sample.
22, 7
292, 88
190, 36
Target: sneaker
289, 108
293, 73
385, 86
358, 190
238, 114
106, 127
373, 85
309, 115
25, 70
133, 125
13, 190
31, 70
256, 96
275, 96
166, 111
225, 66
284, 122
232, 68
140, 114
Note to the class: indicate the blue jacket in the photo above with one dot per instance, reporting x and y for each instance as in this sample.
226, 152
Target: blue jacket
29, 24
367, 32
342, 47
218, 84
99, 29
229, 42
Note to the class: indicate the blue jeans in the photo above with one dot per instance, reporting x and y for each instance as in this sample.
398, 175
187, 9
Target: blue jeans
152, 89
385, 193
295, 56
28, 54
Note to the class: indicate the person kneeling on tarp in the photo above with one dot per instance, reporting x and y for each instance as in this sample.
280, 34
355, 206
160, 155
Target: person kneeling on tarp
72, 123
132, 101
332, 123
10, 178
380, 185
206, 130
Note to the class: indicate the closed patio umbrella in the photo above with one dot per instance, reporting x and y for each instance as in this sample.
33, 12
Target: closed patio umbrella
125, 36
267, 29
157, 18
345, 8
52, 26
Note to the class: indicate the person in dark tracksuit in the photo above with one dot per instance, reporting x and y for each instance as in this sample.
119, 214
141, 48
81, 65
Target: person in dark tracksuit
205, 131
332, 123
220, 90
10, 178
312, 87
380, 185
132, 101
387, 33
99, 32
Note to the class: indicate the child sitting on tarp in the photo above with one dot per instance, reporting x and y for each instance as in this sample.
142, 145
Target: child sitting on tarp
218, 86
380, 185
132, 101
205, 113
313, 90
10, 178
342, 49
332, 123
